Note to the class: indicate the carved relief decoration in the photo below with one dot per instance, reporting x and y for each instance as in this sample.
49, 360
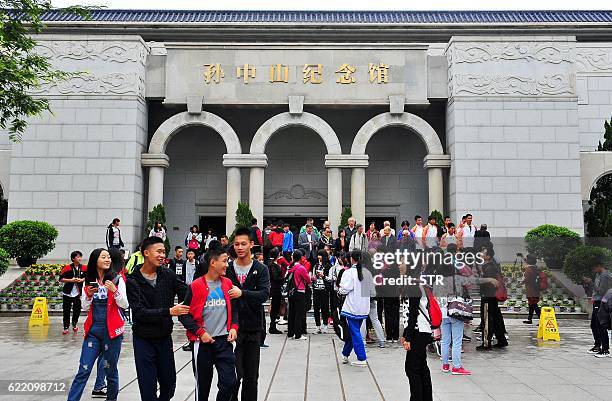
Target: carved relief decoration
483, 52
115, 83
117, 52
556, 84
296, 192
592, 59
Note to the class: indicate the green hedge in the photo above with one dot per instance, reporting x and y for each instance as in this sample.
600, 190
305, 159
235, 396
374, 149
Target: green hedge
551, 242
579, 262
4, 261
25, 238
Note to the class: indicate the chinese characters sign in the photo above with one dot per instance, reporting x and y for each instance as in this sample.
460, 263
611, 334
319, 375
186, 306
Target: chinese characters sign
269, 73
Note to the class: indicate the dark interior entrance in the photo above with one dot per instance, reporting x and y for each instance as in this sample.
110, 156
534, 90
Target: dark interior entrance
379, 222
217, 223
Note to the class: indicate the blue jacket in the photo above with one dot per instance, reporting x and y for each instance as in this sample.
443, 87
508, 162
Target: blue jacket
288, 241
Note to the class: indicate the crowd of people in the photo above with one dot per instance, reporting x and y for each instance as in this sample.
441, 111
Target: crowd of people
217, 289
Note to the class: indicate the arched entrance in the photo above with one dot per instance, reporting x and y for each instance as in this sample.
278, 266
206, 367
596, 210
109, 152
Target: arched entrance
258, 147
434, 161
157, 160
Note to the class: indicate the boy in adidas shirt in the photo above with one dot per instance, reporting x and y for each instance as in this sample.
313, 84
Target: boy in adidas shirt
212, 327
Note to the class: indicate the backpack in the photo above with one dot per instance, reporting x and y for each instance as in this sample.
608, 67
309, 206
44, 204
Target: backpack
433, 309
288, 288
542, 280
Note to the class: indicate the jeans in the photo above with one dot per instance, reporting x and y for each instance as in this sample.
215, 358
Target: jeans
356, 341
100, 374
247, 354
417, 370
219, 354
373, 315
92, 348
154, 360
73, 303
600, 334
451, 329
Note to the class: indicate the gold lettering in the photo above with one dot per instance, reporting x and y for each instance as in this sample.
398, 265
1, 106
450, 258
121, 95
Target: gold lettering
246, 72
379, 73
279, 73
346, 74
313, 73
213, 73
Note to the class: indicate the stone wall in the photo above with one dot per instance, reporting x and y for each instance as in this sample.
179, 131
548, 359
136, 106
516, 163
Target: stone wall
79, 167
512, 131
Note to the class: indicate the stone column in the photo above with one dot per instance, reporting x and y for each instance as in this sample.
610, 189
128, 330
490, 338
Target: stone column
257, 164
334, 164
434, 165
156, 162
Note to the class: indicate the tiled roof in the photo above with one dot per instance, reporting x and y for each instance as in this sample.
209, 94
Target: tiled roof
338, 17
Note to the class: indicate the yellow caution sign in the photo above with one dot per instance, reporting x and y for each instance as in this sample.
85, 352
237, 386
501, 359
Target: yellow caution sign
548, 328
40, 313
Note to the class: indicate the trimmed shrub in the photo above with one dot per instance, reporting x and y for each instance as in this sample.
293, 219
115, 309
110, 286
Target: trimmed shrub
346, 214
551, 243
579, 262
4, 261
28, 239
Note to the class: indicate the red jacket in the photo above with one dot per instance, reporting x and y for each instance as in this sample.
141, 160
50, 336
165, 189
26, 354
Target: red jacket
114, 318
196, 299
284, 265
306, 263
276, 239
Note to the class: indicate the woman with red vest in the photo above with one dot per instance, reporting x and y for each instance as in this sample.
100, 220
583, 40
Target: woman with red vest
212, 328
104, 294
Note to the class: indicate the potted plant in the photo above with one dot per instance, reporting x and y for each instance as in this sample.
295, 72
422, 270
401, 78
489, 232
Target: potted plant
27, 240
551, 243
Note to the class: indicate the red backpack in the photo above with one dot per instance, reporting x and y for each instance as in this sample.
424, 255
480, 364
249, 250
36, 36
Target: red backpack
433, 309
542, 279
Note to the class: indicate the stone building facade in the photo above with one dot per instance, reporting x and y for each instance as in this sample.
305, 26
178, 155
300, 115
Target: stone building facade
300, 114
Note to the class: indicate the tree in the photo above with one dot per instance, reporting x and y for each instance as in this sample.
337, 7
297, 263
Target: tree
244, 216
439, 218
607, 145
158, 214
346, 213
21, 69
598, 217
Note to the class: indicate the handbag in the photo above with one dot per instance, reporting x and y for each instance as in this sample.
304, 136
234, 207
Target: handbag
458, 307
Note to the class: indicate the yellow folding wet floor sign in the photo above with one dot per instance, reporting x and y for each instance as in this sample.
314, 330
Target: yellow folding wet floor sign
548, 329
40, 313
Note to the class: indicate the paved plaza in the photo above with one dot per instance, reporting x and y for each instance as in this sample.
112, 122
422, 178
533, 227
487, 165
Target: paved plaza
310, 370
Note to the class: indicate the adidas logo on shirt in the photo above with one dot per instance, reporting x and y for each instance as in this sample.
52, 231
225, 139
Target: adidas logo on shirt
215, 298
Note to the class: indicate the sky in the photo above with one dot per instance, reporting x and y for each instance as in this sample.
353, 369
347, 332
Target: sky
341, 5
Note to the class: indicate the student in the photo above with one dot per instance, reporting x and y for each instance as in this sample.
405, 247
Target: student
601, 285
430, 233
193, 239
103, 296
417, 231
276, 282
73, 276
355, 309
151, 290
135, 259
416, 337
255, 236
297, 300
287, 238
212, 325
177, 264
158, 230
113, 235
320, 295
192, 267
252, 286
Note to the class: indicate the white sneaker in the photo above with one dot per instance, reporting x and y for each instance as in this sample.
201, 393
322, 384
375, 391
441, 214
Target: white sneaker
303, 338
318, 329
324, 330
360, 364
281, 322
345, 359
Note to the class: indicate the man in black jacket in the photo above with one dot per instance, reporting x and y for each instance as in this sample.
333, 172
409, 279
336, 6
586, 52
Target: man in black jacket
252, 286
151, 289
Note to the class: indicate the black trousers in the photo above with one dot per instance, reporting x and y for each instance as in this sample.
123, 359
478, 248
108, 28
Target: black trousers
155, 364
247, 365
392, 305
417, 370
380, 307
320, 300
493, 323
297, 315
275, 306
262, 337
600, 334
533, 307
74, 304
219, 354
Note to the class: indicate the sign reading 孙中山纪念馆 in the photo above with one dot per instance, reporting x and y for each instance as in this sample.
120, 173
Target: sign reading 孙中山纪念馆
323, 74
